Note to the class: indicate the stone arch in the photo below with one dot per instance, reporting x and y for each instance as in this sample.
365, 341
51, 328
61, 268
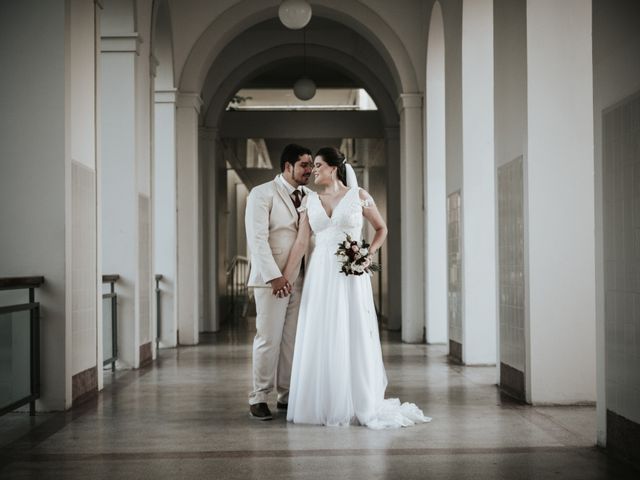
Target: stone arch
243, 15
233, 80
162, 46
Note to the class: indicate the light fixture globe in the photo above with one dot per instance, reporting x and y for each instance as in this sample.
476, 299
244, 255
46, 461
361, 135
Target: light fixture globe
304, 88
294, 14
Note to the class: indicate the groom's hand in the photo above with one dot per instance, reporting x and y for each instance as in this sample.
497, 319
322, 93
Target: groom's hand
280, 286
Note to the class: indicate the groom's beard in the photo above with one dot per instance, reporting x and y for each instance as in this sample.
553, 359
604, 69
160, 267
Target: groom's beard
302, 179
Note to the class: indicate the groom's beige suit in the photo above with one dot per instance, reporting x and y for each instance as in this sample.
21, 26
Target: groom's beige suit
271, 222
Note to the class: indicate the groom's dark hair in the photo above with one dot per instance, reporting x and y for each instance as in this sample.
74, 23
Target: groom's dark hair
291, 154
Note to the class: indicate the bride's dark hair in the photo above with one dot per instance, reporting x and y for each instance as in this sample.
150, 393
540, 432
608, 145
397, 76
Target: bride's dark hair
335, 158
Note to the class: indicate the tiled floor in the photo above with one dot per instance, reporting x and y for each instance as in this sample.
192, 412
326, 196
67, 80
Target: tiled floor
186, 417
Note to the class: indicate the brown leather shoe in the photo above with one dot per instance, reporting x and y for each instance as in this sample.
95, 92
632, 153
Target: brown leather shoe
260, 411
282, 406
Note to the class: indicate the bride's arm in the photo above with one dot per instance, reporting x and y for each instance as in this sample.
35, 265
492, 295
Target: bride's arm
299, 247
372, 214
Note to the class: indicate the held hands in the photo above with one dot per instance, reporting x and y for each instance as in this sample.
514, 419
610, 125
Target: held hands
280, 287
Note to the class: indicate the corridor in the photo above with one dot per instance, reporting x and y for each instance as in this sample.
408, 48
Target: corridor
185, 416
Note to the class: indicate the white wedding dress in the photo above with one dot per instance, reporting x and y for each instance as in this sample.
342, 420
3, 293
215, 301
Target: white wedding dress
338, 377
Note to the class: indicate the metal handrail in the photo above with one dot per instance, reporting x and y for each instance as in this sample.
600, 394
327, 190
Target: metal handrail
112, 279
33, 307
235, 261
17, 283
237, 279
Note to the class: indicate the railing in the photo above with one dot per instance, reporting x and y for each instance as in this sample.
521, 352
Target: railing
237, 275
158, 312
13, 366
110, 322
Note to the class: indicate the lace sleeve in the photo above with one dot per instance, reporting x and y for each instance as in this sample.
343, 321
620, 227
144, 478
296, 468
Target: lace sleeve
366, 200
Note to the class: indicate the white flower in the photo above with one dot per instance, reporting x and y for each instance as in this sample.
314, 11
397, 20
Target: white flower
364, 251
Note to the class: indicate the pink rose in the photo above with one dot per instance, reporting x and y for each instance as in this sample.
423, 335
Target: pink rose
355, 248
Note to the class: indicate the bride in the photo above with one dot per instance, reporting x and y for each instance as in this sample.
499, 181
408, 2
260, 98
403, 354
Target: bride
338, 377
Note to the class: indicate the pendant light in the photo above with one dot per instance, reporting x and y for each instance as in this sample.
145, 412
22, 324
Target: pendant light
304, 88
295, 14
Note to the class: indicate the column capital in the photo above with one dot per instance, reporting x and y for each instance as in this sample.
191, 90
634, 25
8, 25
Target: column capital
128, 42
207, 133
409, 100
169, 95
189, 100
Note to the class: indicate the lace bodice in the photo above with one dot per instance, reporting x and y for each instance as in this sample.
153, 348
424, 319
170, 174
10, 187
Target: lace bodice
346, 218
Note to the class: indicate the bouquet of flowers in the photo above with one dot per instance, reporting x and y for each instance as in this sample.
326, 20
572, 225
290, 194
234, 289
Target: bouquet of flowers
355, 257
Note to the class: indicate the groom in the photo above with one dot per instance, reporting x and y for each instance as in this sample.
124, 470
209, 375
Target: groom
272, 226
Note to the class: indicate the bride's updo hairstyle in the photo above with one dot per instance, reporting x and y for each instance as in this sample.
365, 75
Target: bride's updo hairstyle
335, 158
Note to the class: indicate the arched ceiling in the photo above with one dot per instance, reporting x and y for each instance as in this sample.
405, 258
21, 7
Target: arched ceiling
240, 17
269, 55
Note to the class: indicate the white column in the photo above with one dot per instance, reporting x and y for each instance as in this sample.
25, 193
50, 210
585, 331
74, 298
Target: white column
120, 234
479, 323
435, 183
165, 218
412, 217
394, 270
560, 236
187, 286
207, 148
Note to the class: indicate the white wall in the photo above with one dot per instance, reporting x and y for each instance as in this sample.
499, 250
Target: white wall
165, 221
510, 77
207, 145
119, 197
144, 119
561, 200
81, 242
478, 195
164, 175
410, 106
510, 100
452, 14
126, 116
49, 185
435, 183
32, 192
188, 196
616, 42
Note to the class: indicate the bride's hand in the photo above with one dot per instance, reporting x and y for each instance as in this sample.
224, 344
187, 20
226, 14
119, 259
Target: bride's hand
280, 285
369, 259
285, 291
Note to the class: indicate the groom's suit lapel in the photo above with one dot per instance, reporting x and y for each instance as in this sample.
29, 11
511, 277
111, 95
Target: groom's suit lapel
285, 197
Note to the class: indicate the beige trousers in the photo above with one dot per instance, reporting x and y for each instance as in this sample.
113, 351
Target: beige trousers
276, 323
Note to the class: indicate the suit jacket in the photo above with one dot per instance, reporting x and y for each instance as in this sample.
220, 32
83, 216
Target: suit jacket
271, 222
